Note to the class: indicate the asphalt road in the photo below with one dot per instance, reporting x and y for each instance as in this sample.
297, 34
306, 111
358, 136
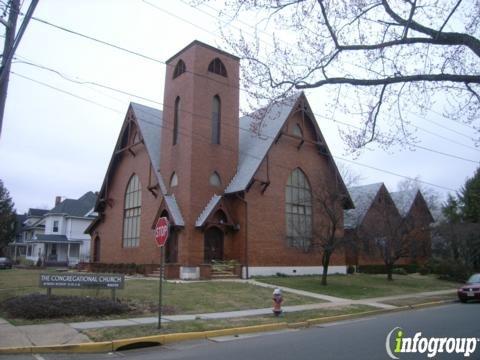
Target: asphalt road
357, 339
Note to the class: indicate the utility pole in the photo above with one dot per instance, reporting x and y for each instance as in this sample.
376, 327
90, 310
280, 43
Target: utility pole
9, 47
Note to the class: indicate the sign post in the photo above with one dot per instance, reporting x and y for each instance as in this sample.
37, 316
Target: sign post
161, 236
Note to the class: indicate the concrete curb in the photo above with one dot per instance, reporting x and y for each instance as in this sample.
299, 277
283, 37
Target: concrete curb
153, 340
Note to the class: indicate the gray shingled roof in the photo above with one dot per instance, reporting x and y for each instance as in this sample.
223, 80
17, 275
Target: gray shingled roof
253, 147
37, 212
150, 121
174, 210
79, 207
404, 200
362, 197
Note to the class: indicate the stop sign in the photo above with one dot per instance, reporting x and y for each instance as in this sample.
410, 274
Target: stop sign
161, 231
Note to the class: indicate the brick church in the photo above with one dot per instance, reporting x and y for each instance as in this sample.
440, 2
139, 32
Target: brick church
234, 189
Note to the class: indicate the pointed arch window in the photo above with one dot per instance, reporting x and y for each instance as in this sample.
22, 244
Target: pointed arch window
174, 180
132, 212
298, 210
297, 131
216, 66
216, 113
180, 68
176, 114
215, 179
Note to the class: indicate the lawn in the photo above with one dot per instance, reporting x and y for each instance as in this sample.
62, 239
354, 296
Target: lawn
362, 286
142, 294
107, 334
414, 300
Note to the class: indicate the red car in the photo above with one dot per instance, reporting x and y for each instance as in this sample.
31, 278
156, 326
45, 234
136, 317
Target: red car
471, 290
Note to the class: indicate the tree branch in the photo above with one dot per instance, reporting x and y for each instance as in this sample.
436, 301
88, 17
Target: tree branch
394, 80
450, 37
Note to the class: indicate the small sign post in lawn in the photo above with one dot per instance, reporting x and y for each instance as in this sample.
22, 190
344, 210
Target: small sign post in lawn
161, 236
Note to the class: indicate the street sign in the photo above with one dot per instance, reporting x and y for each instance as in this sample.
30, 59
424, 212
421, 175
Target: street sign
161, 231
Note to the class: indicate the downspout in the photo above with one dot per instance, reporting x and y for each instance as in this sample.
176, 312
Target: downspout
246, 234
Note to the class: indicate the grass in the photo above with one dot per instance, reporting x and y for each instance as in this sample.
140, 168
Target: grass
421, 300
107, 334
142, 295
362, 286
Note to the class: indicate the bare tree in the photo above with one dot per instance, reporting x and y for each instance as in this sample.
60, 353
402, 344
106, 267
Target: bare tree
329, 237
350, 177
431, 196
380, 59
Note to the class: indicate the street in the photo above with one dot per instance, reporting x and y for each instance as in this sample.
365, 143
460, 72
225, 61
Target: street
356, 339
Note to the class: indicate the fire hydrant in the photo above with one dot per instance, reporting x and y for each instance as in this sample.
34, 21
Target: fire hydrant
277, 302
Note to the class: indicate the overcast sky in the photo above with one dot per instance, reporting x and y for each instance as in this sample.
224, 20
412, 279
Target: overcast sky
53, 143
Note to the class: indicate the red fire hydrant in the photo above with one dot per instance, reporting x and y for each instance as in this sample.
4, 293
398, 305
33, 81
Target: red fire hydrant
277, 302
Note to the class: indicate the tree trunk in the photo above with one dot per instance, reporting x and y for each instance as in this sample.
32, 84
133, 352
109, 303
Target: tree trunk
325, 262
389, 272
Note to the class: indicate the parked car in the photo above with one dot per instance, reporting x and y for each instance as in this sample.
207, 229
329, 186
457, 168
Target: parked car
5, 263
471, 290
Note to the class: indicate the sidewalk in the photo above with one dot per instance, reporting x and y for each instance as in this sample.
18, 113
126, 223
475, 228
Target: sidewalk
60, 333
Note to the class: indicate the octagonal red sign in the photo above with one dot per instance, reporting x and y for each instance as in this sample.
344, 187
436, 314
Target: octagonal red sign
161, 231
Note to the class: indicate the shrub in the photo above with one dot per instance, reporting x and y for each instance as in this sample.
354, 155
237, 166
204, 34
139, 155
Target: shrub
449, 270
399, 271
39, 306
382, 269
279, 274
350, 269
424, 270
26, 262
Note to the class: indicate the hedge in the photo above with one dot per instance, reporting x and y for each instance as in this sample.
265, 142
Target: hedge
382, 269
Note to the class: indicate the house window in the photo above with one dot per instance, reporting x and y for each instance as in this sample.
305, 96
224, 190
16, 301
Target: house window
55, 226
175, 120
180, 68
132, 212
298, 210
297, 131
216, 66
215, 179
29, 250
216, 120
174, 180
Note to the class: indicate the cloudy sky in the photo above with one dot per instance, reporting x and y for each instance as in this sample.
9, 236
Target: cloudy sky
60, 129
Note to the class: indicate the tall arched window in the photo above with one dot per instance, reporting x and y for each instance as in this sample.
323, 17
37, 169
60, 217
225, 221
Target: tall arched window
175, 120
298, 210
132, 212
180, 68
216, 107
216, 66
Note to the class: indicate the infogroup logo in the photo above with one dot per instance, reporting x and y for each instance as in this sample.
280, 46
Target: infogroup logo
431, 346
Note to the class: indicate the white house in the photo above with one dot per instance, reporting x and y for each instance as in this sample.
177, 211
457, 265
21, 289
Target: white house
63, 241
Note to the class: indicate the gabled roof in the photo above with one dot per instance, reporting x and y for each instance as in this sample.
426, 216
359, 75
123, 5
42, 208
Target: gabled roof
404, 200
363, 197
254, 146
150, 122
79, 207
